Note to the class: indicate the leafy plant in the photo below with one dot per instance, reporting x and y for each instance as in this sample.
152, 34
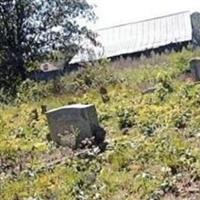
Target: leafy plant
126, 118
31, 30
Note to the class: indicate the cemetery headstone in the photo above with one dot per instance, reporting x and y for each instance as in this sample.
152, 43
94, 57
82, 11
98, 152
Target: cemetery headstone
195, 68
70, 125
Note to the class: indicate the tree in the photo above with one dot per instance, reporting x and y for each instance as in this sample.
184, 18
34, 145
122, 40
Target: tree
31, 29
195, 17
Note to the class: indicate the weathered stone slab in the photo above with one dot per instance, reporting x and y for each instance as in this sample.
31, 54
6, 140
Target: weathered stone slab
195, 68
70, 125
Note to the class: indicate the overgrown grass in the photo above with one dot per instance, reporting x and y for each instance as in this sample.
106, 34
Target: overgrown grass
153, 137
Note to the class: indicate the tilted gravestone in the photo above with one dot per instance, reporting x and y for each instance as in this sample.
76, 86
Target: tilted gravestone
195, 68
70, 125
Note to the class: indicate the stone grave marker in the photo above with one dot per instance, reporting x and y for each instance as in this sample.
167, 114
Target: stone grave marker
70, 125
195, 68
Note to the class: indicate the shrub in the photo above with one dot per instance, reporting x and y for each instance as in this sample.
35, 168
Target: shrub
164, 85
31, 91
126, 118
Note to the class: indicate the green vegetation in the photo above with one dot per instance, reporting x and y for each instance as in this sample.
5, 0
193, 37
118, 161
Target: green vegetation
32, 30
153, 138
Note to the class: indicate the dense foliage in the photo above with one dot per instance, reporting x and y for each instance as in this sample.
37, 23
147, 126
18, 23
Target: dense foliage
195, 18
153, 138
32, 29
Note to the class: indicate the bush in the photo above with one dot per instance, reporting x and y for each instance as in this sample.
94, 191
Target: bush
31, 91
126, 118
164, 86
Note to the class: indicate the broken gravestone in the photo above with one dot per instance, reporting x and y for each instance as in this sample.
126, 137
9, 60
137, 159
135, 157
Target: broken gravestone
71, 125
195, 68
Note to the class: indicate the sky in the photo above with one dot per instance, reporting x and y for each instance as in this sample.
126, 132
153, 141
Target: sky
115, 12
